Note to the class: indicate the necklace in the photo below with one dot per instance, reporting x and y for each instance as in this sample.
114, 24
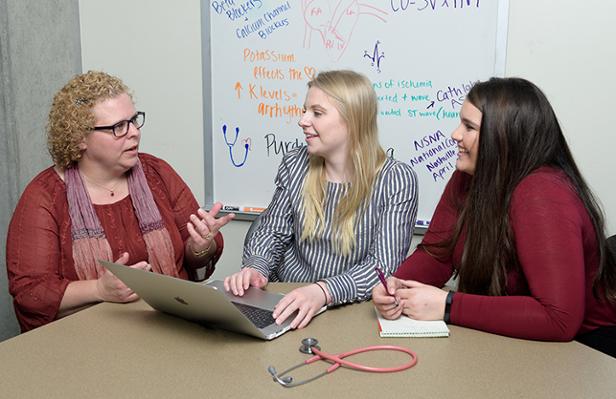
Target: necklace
111, 190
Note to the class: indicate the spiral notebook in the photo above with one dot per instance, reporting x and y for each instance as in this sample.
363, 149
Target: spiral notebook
407, 327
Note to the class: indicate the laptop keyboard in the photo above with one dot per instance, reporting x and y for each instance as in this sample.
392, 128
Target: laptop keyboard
259, 317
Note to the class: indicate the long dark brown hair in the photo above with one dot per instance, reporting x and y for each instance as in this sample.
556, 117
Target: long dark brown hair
519, 133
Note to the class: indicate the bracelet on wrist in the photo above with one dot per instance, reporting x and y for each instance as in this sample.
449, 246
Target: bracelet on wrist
448, 302
203, 252
322, 289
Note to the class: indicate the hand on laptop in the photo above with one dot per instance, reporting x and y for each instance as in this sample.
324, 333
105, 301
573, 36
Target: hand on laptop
306, 300
111, 289
240, 281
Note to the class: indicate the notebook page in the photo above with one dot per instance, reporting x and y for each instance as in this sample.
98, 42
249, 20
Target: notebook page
407, 327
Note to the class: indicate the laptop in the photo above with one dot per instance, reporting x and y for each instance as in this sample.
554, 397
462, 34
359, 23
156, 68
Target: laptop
206, 303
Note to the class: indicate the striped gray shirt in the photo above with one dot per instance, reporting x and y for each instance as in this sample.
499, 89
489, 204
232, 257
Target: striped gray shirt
383, 232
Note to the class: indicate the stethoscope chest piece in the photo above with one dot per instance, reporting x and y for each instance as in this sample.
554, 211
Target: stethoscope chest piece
308, 344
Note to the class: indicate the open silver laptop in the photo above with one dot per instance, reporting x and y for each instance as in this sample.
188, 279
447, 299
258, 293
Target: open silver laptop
206, 303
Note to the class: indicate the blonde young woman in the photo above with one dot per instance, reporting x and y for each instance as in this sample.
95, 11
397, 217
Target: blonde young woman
341, 207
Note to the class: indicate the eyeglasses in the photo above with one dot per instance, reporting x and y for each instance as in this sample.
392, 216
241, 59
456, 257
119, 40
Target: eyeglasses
120, 129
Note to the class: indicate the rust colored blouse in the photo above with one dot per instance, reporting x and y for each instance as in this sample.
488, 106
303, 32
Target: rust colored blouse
39, 254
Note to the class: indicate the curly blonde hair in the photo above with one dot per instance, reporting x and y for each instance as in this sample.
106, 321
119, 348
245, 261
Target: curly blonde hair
71, 117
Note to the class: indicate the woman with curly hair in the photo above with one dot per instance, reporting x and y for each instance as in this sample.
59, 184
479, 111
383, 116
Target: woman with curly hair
518, 225
102, 199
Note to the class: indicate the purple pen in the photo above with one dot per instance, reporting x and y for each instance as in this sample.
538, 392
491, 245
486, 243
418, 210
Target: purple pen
379, 273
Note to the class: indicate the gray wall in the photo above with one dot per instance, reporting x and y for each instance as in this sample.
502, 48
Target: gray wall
39, 51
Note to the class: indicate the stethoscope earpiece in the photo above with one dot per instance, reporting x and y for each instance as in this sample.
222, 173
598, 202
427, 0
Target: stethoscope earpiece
281, 380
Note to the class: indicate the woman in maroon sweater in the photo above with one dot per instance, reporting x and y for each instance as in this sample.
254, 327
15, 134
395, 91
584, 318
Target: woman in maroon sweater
518, 226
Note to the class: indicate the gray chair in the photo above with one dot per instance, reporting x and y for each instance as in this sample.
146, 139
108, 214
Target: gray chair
604, 338
611, 245
253, 227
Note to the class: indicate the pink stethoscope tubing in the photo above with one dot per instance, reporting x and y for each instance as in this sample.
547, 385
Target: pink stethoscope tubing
338, 360
309, 346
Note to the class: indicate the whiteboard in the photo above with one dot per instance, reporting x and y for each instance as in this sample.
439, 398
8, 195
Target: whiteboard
422, 57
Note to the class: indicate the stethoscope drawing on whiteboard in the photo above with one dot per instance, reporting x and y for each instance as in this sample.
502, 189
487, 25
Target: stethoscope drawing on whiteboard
232, 143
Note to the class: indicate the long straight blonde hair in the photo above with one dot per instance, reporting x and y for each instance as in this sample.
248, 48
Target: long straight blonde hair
355, 100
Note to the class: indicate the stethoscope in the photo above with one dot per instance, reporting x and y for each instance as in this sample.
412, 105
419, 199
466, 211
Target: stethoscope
231, 144
310, 346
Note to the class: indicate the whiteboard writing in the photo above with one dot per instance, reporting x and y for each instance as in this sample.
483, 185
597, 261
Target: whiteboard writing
422, 57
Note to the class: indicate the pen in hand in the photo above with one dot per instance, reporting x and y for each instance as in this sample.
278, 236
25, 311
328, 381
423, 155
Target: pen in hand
379, 273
